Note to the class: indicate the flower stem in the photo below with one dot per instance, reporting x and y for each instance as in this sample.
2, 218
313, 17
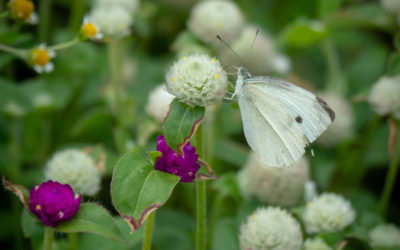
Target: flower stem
44, 14
389, 182
148, 231
18, 52
65, 45
200, 198
77, 10
48, 238
72, 241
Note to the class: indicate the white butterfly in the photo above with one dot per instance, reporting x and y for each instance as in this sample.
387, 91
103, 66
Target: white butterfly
279, 118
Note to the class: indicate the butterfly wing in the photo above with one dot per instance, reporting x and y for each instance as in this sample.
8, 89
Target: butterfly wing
269, 129
310, 112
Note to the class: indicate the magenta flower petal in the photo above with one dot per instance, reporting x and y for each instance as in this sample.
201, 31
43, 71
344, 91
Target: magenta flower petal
184, 166
53, 202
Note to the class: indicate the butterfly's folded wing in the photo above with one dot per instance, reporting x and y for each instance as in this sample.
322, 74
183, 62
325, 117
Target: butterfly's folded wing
270, 131
310, 112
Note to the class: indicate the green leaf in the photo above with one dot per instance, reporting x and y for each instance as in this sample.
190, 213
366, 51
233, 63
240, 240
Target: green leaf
393, 67
93, 218
20, 191
137, 189
304, 32
30, 225
154, 155
327, 7
181, 124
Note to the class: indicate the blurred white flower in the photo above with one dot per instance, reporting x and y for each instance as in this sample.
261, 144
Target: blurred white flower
316, 244
158, 103
342, 127
197, 80
262, 58
328, 213
129, 5
211, 18
392, 6
276, 186
40, 59
76, 168
114, 21
384, 96
385, 235
270, 228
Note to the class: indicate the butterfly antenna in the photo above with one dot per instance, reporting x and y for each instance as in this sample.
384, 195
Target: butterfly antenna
227, 45
251, 47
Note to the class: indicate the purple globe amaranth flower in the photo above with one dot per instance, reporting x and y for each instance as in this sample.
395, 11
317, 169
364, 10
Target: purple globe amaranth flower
53, 202
184, 166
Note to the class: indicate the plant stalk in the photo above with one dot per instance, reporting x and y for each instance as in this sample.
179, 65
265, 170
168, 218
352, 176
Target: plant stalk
48, 238
148, 231
72, 241
44, 23
200, 198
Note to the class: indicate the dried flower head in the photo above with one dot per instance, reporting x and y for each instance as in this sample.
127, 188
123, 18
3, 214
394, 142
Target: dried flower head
342, 127
158, 103
211, 18
184, 166
114, 21
271, 228
384, 96
328, 213
385, 236
23, 10
197, 80
53, 202
40, 59
316, 244
276, 186
90, 30
76, 168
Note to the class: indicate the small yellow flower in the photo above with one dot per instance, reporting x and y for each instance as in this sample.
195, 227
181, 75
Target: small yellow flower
90, 30
23, 10
41, 59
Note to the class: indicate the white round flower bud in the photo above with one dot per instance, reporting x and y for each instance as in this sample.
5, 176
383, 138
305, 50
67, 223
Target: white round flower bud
263, 57
385, 235
316, 244
114, 21
130, 5
76, 168
271, 228
384, 96
158, 103
211, 18
276, 186
328, 213
392, 6
197, 80
342, 127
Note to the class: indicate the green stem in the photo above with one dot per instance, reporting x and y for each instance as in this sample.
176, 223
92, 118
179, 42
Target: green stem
48, 238
18, 52
65, 45
77, 10
72, 241
200, 198
148, 231
389, 183
44, 14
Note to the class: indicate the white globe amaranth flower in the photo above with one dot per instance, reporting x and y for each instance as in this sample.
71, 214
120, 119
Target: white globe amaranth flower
114, 21
130, 5
385, 235
328, 213
263, 57
342, 127
158, 103
75, 168
270, 228
211, 18
391, 6
315, 244
276, 186
384, 96
197, 80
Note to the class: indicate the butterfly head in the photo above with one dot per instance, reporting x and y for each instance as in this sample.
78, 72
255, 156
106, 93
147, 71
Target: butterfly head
242, 75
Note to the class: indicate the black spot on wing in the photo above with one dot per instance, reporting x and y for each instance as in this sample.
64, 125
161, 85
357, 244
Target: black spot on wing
328, 110
299, 119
